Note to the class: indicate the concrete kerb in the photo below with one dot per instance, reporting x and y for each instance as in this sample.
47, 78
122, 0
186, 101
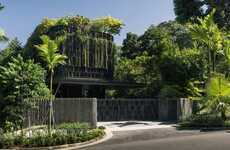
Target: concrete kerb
107, 136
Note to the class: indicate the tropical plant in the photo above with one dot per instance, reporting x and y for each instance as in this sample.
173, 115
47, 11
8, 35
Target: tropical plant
218, 92
50, 54
209, 37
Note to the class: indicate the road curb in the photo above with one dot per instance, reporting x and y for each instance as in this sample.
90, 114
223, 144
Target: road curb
214, 129
108, 135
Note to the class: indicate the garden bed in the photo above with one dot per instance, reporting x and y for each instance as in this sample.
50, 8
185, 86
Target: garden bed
64, 134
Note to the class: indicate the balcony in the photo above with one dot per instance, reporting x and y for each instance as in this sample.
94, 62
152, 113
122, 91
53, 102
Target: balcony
71, 72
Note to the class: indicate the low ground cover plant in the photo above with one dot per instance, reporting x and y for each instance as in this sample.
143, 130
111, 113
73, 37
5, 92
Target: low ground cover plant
67, 133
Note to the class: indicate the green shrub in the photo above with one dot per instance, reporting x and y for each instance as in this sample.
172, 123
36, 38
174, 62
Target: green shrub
6, 140
170, 91
203, 120
227, 123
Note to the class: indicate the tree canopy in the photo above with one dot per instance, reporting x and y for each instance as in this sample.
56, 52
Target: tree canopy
186, 10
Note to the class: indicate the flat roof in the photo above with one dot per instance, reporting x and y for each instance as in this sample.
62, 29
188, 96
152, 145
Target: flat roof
103, 82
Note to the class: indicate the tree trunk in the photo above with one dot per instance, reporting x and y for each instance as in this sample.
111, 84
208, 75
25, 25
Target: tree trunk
209, 63
213, 62
50, 102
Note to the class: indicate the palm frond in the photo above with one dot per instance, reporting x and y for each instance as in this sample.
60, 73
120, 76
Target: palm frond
218, 85
48, 51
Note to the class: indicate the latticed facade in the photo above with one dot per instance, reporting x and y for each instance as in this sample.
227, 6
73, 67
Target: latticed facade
89, 67
89, 56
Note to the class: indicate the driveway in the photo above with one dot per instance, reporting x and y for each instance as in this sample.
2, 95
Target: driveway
209, 141
161, 137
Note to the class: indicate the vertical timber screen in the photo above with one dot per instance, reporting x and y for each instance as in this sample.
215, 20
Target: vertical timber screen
67, 110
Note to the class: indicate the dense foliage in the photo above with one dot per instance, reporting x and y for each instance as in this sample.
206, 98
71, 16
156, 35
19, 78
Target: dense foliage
19, 81
187, 10
13, 49
164, 57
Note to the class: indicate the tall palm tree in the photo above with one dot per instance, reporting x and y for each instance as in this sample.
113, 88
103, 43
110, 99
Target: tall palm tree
48, 51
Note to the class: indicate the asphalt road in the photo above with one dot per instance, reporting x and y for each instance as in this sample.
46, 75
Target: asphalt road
165, 139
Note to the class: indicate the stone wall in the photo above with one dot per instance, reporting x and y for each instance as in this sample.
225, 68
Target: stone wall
174, 109
127, 109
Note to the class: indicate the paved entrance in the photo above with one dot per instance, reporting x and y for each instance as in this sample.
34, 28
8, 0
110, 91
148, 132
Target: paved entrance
209, 141
135, 125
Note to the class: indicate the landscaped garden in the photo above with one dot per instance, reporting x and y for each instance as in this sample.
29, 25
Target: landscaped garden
26, 78
185, 58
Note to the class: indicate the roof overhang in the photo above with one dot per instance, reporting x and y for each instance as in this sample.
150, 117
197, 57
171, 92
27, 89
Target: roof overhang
102, 82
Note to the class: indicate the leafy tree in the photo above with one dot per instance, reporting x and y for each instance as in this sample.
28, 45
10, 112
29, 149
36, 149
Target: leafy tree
137, 70
165, 36
13, 49
172, 61
182, 68
222, 14
20, 80
130, 48
49, 53
185, 10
